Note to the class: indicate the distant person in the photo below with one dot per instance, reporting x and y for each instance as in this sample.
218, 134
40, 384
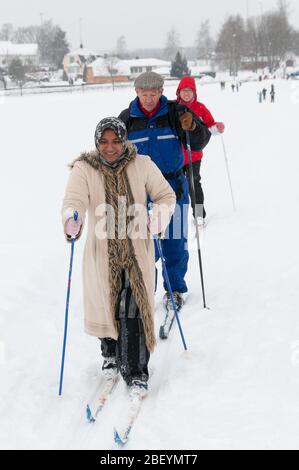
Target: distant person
260, 96
264, 91
4, 83
272, 94
233, 87
187, 96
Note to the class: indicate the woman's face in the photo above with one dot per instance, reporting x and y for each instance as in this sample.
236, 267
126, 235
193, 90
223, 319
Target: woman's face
110, 146
186, 94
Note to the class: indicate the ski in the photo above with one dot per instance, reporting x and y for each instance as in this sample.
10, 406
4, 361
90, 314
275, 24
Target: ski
167, 325
168, 322
121, 435
106, 390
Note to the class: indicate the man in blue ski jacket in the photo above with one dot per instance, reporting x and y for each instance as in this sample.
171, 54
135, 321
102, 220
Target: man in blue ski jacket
157, 127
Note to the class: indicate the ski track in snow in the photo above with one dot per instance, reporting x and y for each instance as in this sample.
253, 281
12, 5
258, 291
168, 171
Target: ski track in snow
237, 385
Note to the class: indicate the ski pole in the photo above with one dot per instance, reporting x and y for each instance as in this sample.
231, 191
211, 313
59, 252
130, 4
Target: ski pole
158, 242
67, 310
228, 172
195, 212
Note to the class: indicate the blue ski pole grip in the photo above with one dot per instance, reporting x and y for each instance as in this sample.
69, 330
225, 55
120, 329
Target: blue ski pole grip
76, 215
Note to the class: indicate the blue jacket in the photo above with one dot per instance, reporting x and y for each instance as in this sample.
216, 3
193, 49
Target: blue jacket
161, 136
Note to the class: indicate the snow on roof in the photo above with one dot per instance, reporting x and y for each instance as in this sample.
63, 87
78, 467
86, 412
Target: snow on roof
123, 67
83, 52
8, 48
100, 67
165, 71
151, 62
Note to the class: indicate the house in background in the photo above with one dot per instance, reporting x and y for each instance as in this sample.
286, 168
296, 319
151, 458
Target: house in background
113, 69
27, 53
137, 66
75, 61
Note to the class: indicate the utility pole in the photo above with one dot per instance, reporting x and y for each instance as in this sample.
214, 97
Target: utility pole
261, 7
80, 33
247, 10
234, 56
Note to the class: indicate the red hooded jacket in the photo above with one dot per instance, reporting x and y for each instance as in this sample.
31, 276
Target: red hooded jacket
199, 109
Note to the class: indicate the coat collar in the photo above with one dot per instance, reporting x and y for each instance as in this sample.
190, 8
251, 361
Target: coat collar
135, 110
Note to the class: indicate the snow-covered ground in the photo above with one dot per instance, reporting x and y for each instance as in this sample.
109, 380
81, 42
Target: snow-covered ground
238, 384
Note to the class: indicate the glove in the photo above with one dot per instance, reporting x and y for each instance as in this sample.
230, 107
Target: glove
217, 128
220, 127
154, 225
72, 227
186, 120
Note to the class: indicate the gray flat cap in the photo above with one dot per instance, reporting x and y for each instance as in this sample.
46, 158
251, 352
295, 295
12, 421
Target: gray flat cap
149, 80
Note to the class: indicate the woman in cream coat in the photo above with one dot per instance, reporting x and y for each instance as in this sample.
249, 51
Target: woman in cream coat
113, 184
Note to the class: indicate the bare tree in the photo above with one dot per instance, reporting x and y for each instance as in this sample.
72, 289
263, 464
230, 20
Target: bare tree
121, 47
26, 35
111, 64
172, 44
6, 32
252, 41
231, 43
204, 43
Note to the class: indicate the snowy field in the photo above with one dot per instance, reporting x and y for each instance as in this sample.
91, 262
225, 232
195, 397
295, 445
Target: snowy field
237, 387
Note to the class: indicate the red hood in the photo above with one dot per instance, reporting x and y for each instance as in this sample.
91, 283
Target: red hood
186, 82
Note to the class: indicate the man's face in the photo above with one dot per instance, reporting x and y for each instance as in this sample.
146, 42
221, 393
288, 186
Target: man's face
149, 98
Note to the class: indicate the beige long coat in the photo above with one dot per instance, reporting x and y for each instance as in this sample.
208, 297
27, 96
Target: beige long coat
85, 193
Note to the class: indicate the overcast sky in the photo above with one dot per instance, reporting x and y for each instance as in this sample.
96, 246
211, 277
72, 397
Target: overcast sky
144, 23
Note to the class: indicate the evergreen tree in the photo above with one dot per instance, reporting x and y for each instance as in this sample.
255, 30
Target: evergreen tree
179, 67
52, 43
17, 71
59, 47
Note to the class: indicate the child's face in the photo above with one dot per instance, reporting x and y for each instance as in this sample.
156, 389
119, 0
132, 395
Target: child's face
186, 94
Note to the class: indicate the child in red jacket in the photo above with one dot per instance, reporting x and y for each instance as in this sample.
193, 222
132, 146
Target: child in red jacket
186, 94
